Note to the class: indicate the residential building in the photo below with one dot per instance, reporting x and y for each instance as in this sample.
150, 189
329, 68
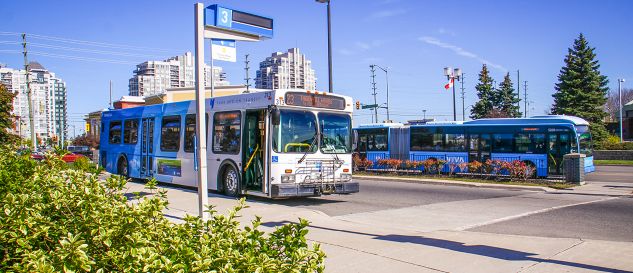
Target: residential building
287, 70
154, 77
49, 101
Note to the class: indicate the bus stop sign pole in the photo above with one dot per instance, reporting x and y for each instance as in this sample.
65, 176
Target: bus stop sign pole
216, 22
201, 145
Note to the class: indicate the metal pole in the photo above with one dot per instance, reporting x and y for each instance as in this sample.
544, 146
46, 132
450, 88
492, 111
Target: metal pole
203, 197
454, 107
387, 76
463, 101
111, 94
29, 96
329, 48
373, 83
620, 81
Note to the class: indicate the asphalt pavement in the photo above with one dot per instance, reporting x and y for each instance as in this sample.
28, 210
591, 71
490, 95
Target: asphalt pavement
623, 174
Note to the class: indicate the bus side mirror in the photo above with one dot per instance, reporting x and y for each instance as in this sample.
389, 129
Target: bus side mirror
275, 116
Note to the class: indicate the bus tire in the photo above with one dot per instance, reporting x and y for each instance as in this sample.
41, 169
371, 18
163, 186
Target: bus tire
122, 167
231, 181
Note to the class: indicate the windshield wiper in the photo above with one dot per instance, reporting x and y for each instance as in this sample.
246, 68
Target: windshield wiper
314, 140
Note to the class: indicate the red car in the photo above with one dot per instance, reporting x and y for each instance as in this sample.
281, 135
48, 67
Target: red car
69, 158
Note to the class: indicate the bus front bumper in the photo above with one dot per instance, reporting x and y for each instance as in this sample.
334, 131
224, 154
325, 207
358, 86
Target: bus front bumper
312, 189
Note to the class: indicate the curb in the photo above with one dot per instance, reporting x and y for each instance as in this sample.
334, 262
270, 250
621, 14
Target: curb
455, 183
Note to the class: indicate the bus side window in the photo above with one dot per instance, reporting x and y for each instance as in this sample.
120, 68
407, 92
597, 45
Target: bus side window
170, 134
190, 131
130, 131
226, 132
115, 132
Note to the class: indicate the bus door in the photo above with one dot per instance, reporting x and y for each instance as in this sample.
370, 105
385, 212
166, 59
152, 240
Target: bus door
479, 146
147, 147
253, 147
559, 144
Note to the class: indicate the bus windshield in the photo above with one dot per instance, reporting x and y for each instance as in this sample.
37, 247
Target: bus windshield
295, 133
584, 138
335, 133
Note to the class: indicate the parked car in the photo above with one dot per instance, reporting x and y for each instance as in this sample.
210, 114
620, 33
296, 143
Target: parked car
70, 158
82, 150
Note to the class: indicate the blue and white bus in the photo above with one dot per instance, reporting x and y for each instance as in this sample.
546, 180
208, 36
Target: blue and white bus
541, 141
278, 143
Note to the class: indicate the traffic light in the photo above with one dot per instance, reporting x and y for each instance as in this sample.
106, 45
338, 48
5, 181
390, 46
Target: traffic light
357, 105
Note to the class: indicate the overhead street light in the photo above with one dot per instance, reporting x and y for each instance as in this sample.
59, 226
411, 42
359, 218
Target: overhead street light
452, 75
329, 44
386, 70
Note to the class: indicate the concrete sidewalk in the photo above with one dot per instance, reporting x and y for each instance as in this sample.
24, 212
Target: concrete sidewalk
431, 238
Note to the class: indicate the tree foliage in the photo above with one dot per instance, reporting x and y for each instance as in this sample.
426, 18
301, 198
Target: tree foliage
86, 140
501, 102
6, 119
613, 99
56, 219
581, 89
484, 91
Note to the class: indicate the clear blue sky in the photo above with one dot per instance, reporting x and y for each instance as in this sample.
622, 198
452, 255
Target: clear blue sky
415, 39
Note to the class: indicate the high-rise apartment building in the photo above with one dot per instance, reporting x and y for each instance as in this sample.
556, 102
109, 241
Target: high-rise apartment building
286, 70
153, 77
49, 97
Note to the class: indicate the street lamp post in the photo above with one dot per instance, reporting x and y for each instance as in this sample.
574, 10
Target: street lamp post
424, 111
329, 44
620, 81
453, 75
386, 70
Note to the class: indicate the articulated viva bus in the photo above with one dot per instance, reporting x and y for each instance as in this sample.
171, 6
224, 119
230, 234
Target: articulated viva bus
279, 143
541, 141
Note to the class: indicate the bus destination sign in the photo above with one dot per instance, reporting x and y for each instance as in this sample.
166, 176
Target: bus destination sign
315, 100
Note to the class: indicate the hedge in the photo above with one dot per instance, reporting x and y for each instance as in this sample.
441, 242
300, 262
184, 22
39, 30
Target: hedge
54, 218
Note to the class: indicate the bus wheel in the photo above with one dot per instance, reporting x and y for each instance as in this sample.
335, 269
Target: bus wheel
231, 181
122, 167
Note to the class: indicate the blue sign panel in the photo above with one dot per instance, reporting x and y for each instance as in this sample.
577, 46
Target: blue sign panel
240, 21
224, 17
222, 42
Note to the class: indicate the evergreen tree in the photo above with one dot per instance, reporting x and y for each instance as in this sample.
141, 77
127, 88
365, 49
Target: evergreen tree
505, 100
485, 93
6, 119
581, 89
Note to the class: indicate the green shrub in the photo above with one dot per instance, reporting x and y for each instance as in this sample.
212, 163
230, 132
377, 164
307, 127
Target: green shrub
58, 219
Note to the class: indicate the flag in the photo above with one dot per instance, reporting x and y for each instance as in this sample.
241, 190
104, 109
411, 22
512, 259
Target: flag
449, 84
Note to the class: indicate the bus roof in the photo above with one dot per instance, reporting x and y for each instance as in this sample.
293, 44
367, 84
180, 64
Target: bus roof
379, 125
550, 119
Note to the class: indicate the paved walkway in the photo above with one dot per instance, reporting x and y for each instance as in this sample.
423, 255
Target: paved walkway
435, 238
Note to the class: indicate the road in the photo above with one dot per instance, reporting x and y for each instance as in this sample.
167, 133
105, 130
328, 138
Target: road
559, 215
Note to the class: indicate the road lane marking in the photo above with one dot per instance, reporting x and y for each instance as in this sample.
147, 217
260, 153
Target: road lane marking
512, 217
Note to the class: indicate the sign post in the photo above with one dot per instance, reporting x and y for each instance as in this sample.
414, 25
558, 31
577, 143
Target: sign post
224, 26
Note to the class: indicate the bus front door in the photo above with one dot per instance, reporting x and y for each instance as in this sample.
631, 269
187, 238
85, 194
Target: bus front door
479, 146
254, 148
559, 145
147, 147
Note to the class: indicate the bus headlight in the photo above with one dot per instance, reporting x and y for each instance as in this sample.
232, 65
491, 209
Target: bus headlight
346, 177
287, 178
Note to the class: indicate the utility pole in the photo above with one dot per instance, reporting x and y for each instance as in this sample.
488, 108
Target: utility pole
519, 89
620, 81
463, 101
111, 95
525, 97
373, 83
246, 68
29, 95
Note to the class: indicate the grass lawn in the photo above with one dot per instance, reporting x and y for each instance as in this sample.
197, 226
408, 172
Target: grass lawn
613, 162
531, 182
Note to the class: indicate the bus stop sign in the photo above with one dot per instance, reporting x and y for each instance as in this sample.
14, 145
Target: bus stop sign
238, 21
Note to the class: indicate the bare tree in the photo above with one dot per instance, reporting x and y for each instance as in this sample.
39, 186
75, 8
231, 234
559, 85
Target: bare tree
611, 107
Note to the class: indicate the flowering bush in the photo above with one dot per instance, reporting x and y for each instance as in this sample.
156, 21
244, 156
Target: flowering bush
390, 163
463, 167
439, 165
363, 163
429, 164
412, 164
57, 219
451, 168
474, 166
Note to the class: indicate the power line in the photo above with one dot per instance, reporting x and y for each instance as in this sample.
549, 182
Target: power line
87, 42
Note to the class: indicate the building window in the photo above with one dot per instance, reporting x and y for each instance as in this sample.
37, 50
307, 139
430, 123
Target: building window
130, 131
170, 134
115, 132
226, 132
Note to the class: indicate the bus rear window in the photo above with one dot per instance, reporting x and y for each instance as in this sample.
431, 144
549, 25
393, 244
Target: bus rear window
115, 132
